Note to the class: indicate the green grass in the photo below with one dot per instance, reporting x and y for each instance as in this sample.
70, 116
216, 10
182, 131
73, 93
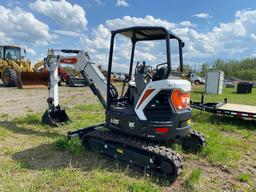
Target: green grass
223, 145
28, 119
4, 116
244, 177
35, 157
225, 135
4, 133
73, 145
192, 181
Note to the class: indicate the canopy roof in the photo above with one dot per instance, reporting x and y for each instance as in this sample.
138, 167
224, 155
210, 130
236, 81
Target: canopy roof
144, 33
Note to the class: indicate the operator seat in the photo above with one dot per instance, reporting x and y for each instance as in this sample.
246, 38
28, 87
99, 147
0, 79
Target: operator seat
159, 74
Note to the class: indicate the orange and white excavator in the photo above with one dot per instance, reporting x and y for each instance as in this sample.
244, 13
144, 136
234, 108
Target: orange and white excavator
142, 121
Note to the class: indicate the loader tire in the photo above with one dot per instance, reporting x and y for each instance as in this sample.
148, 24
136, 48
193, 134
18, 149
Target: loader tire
9, 77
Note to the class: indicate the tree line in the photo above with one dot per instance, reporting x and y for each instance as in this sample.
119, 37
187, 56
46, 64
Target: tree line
244, 69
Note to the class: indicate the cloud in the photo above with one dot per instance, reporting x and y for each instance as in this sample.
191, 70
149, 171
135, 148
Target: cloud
19, 25
100, 38
227, 40
29, 51
68, 16
122, 3
128, 21
4, 39
203, 15
186, 24
67, 33
98, 43
253, 36
99, 2
230, 40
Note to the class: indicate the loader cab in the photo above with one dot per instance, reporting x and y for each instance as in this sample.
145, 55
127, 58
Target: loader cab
10, 53
145, 104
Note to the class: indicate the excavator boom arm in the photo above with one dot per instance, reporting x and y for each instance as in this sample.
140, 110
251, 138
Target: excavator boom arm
81, 62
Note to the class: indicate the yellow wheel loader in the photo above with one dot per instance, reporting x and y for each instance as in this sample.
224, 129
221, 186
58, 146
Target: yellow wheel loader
16, 71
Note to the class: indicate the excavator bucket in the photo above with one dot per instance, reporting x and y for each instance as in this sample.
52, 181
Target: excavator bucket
55, 117
27, 80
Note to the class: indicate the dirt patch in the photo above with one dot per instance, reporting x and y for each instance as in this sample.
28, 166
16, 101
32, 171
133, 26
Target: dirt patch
15, 102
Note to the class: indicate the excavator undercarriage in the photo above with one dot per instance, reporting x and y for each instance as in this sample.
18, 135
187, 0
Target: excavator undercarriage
139, 153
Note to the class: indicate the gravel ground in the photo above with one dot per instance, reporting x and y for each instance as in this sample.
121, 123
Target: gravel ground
15, 102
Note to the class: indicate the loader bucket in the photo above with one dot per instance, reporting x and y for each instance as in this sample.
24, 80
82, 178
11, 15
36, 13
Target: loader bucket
76, 82
55, 117
27, 80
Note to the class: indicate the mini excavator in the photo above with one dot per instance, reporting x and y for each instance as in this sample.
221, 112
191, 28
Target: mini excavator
141, 122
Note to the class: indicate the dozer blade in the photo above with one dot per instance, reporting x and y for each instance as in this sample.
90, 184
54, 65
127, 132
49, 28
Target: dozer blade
76, 82
55, 117
30, 80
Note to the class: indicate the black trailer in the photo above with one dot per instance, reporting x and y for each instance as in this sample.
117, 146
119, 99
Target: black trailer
227, 109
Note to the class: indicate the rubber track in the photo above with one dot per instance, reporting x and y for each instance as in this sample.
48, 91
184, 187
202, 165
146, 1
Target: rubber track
157, 150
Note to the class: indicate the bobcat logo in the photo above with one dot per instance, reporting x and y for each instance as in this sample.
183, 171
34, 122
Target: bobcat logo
131, 125
114, 121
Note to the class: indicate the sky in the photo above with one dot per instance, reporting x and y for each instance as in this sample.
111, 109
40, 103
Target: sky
210, 29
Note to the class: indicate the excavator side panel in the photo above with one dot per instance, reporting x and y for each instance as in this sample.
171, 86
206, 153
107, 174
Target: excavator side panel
29, 80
